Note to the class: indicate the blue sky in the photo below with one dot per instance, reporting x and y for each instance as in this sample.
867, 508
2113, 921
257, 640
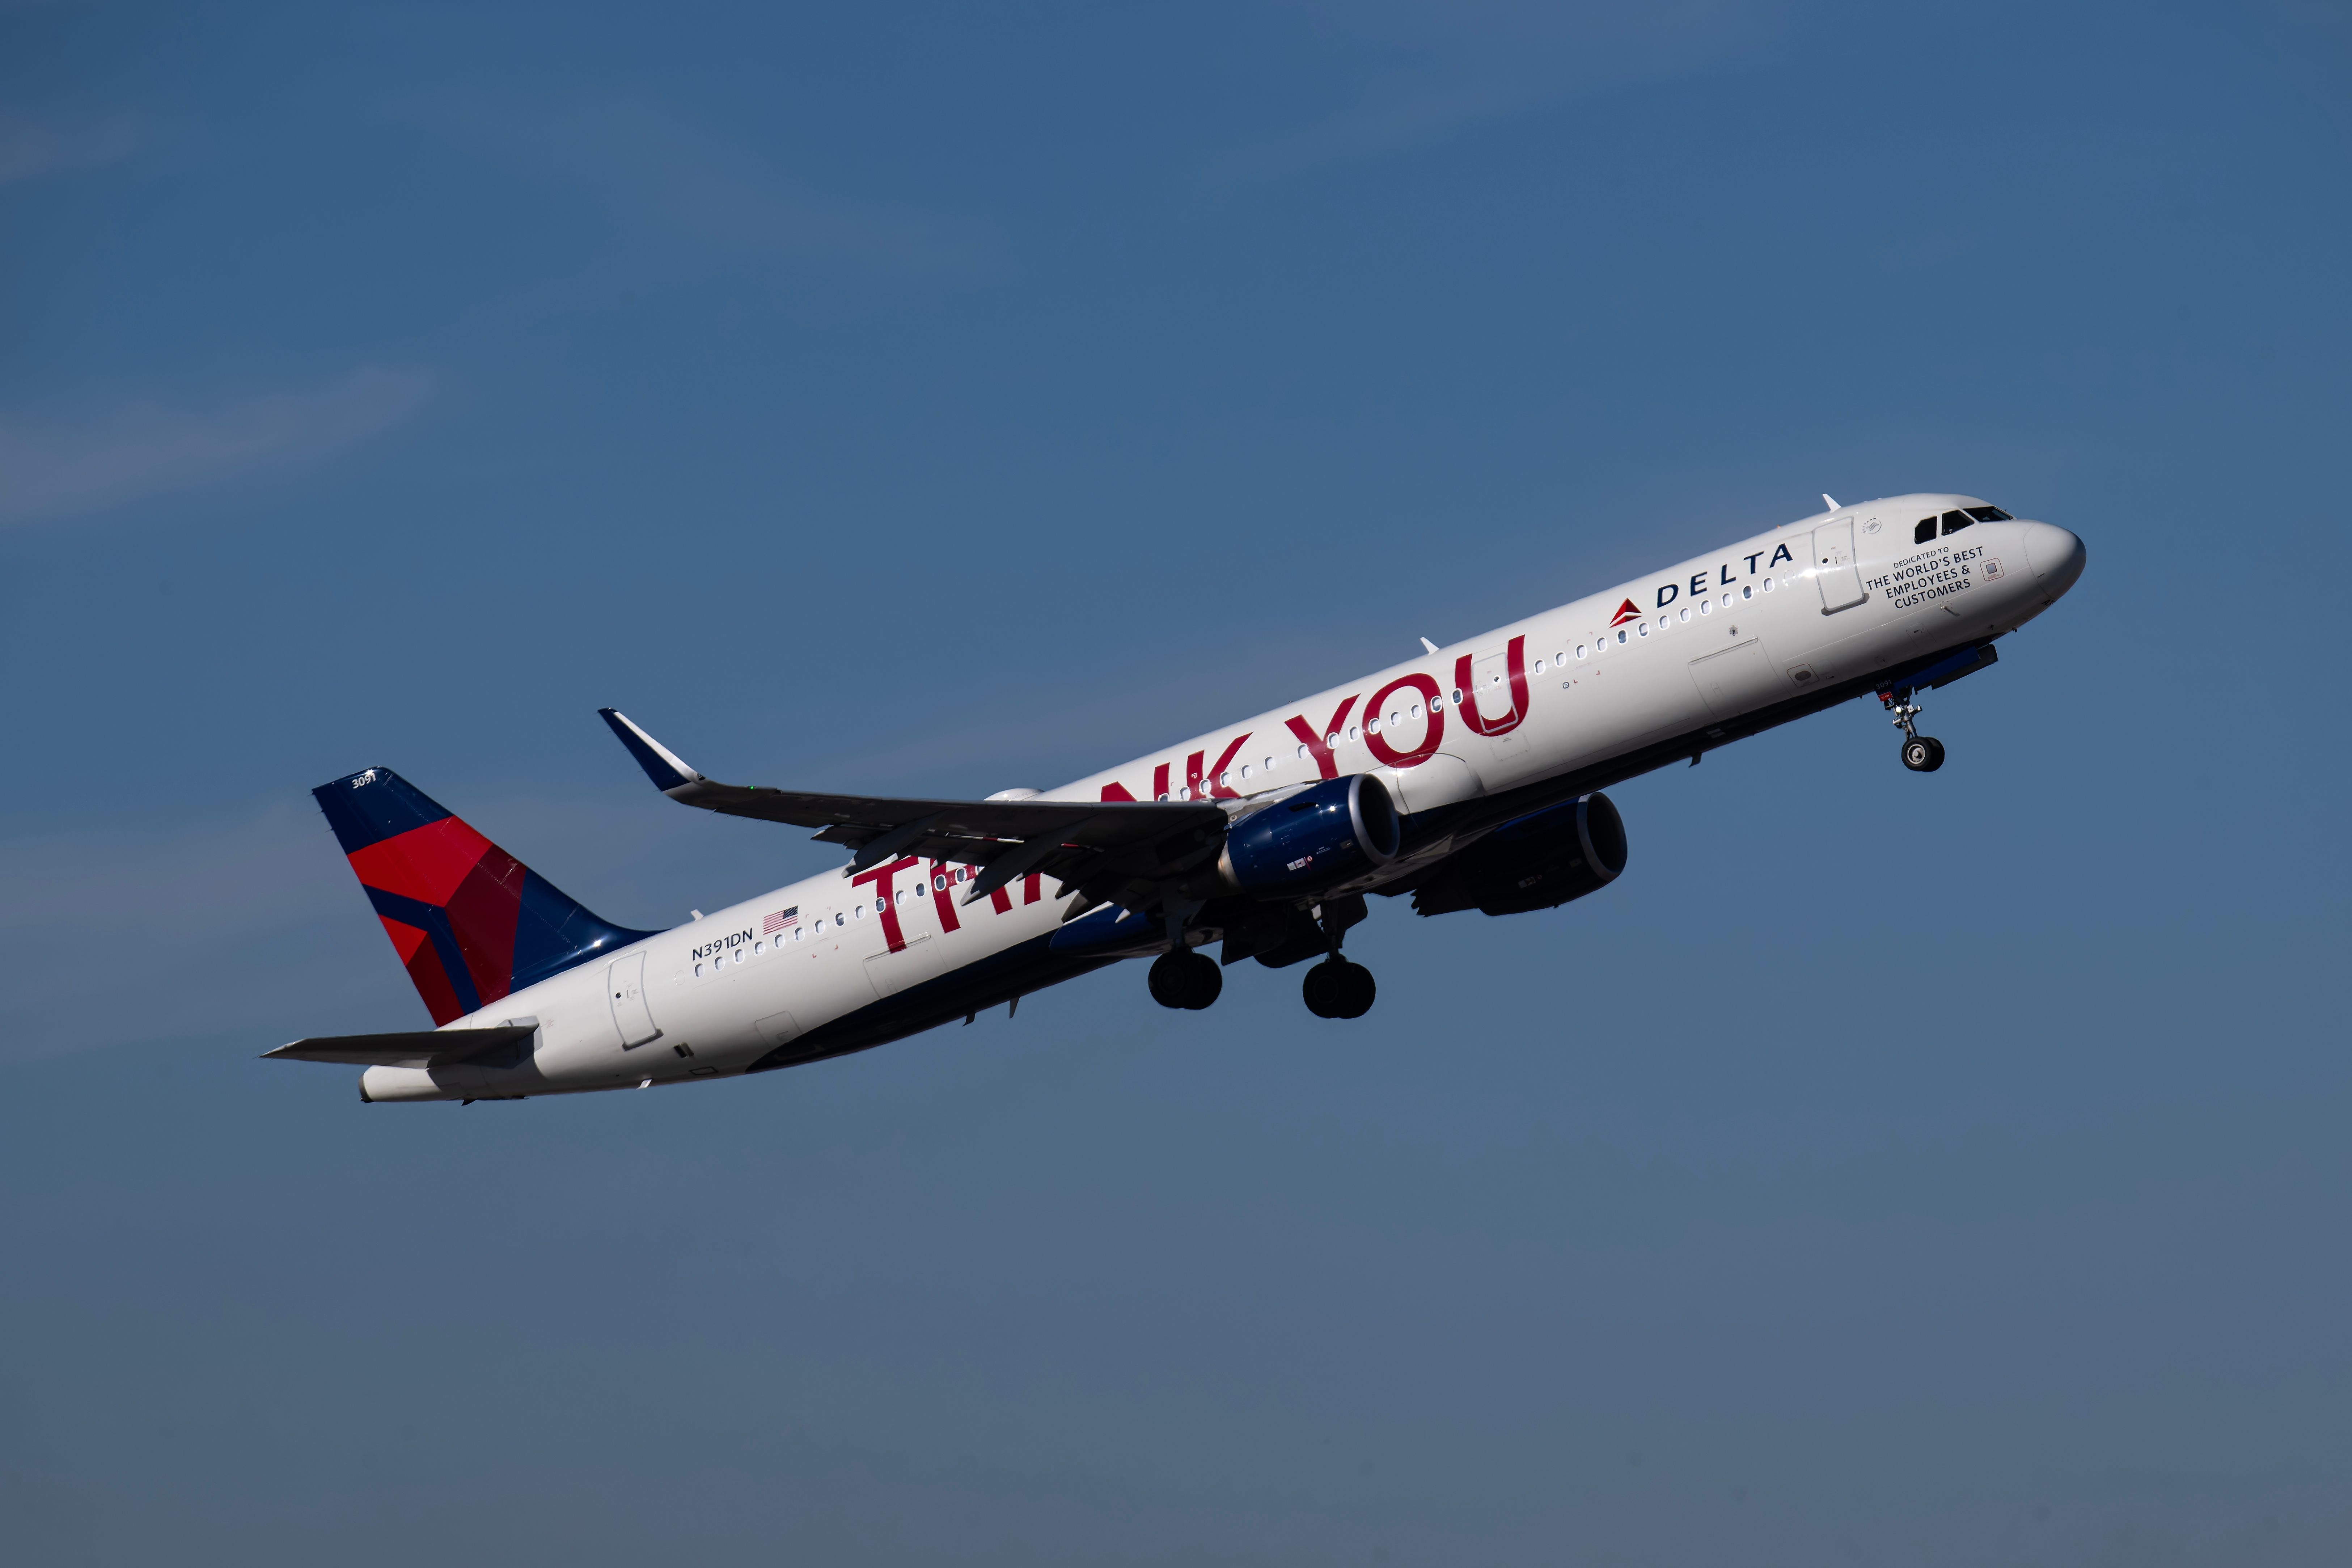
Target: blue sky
1946, 1169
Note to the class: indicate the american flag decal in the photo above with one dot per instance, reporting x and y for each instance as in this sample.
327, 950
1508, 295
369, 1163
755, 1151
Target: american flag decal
780, 920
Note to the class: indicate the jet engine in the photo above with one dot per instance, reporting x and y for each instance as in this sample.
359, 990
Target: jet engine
1309, 842
1535, 863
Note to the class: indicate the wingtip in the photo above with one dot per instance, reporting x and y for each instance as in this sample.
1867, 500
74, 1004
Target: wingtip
665, 767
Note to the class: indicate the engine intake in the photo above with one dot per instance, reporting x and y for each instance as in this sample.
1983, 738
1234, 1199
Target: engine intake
1535, 863
1311, 841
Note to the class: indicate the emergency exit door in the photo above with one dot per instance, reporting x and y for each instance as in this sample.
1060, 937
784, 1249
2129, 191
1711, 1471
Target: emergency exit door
626, 983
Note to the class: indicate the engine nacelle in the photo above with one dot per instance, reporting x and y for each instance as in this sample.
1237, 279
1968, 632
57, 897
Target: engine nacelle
1535, 863
1312, 841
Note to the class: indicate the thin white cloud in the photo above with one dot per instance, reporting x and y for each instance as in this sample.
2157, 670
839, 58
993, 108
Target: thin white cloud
684, 203
151, 446
113, 935
1434, 66
32, 150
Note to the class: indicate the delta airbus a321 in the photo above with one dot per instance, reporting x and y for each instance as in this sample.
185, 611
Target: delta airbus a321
1468, 778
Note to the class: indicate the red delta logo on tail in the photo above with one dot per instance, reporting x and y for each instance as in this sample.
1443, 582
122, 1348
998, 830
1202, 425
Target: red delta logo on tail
447, 866
471, 923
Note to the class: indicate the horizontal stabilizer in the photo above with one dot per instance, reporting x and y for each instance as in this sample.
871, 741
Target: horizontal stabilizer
417, 1048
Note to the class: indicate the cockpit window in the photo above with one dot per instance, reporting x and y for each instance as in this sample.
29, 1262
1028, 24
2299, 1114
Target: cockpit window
1956, 521
1989, 514
1925, 532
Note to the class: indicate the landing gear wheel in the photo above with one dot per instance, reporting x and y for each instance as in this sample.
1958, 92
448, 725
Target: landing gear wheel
1186, 980
1208, 982
1321, 989
1922, 753
1336, 988
1357, 991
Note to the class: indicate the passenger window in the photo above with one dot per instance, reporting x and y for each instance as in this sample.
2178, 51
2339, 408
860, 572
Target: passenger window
1926, 532
1956, 521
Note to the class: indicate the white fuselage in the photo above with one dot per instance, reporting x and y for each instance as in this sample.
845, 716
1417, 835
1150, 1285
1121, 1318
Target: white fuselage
1704, 652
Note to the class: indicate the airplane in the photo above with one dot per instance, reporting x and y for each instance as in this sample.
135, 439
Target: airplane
1469, 777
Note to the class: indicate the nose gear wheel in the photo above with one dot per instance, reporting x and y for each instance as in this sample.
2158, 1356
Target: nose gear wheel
1921, 754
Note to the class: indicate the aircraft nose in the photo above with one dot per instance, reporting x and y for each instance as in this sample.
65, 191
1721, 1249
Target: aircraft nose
2057, 556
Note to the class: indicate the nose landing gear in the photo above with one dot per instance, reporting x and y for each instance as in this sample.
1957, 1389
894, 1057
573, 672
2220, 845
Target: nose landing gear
1921, 754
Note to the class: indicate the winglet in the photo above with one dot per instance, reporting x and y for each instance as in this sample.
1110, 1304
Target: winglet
663, 767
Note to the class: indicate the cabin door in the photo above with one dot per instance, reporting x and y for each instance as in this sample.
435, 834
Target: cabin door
626, 983
1834, 567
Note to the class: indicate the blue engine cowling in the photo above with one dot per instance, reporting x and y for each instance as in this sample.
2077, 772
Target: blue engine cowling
1312, 841
1534, 863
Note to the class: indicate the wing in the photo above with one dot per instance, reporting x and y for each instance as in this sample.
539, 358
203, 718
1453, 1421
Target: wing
421, 1049
1105, 849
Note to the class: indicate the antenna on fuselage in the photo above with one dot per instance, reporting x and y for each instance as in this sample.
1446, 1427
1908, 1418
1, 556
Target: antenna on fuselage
1428, 644
1830, 499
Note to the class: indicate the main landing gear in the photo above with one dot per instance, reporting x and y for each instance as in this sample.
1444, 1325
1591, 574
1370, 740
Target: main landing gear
1921, 754
1336, 988
1185, 979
